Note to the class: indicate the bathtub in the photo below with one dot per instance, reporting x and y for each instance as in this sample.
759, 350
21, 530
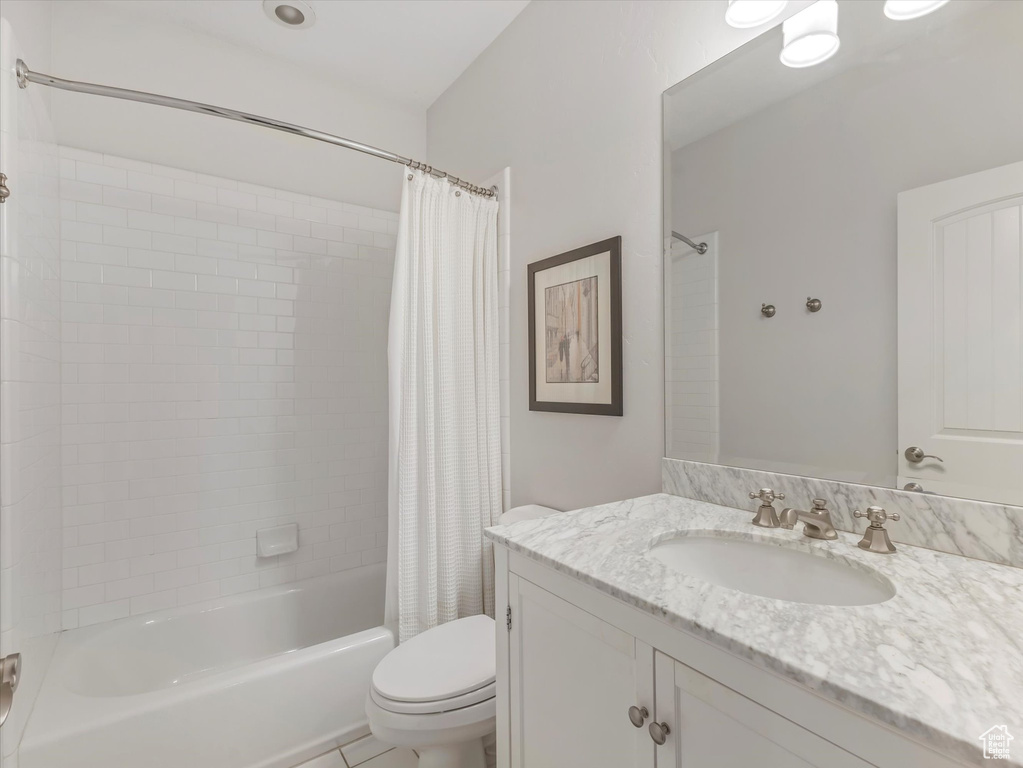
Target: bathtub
266, 679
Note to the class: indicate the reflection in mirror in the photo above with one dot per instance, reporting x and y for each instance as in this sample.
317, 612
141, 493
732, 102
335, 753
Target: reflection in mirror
886, 183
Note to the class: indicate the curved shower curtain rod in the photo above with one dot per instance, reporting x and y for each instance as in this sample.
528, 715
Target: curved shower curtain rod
26, 76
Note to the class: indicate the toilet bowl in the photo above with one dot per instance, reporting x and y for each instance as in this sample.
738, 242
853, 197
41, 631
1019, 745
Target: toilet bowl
436, 692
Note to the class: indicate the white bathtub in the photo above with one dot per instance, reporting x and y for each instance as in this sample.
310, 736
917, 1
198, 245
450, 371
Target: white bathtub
261, 680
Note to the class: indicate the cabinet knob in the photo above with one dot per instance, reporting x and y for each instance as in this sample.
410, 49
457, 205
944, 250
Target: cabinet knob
659, 733
637, 715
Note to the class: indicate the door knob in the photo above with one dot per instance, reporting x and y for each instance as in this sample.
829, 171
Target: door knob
659, 733
637, 715
915, 455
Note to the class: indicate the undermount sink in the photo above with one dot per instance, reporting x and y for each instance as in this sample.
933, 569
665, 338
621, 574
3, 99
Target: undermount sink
768, 569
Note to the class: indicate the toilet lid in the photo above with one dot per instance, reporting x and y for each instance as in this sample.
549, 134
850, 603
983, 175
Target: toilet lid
443, 662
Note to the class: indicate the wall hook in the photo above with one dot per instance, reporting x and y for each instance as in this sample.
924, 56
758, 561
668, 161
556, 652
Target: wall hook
814, 305
767, 310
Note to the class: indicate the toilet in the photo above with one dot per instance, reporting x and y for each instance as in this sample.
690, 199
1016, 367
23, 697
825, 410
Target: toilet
435, 693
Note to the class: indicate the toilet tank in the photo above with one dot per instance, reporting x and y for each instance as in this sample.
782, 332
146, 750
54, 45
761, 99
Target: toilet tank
525, 512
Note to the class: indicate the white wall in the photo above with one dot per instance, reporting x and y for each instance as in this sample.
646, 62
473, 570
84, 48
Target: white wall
569, 96
30, 544
502, 181
99, 42
224, 371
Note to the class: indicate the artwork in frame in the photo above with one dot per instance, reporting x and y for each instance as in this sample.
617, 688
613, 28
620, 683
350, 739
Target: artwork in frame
575, 331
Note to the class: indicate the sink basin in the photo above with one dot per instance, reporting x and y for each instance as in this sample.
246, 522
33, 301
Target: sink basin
774, 570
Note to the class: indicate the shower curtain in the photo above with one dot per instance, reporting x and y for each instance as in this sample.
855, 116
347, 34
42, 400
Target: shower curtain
444, 454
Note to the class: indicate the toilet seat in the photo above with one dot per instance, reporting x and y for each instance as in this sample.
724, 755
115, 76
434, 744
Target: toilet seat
482, 693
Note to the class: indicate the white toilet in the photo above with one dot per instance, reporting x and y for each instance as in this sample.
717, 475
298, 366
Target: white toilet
435, 693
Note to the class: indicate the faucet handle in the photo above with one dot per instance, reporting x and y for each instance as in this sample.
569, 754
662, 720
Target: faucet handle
877, 516
766, 495
766, 516
875, 538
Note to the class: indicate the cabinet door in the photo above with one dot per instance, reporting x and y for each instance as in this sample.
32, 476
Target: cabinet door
712, 725
573, 678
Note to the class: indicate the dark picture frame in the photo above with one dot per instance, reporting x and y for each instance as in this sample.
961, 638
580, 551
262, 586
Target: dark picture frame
610, 349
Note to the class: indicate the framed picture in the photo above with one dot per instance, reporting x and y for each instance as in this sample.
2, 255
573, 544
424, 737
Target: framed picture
575, 331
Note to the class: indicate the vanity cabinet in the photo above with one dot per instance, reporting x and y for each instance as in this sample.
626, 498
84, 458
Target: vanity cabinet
574, 660
574, 678
713, 725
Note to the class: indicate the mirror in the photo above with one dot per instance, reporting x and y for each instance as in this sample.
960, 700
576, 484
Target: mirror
844, 285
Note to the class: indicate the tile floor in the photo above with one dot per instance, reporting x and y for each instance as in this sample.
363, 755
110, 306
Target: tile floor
364, 753
394, 758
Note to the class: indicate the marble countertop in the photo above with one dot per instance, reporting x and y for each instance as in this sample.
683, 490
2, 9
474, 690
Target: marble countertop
942, 661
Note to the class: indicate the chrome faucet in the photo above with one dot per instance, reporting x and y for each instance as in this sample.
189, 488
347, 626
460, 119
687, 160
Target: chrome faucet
817, 522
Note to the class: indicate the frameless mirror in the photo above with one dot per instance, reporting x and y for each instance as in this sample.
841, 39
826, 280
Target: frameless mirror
843, 262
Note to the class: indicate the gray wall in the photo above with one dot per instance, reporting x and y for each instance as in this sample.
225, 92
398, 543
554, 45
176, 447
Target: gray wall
804, 196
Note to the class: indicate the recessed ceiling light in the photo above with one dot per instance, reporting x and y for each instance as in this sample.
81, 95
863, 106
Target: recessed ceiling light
811, 36
904, 10
293, 14
744, 14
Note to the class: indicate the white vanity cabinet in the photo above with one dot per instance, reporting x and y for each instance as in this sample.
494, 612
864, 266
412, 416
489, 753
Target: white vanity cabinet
713, 725
574, 678
574, 660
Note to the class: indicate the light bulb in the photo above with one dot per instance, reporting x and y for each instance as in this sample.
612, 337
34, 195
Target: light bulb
752, 13
811, 36
904, 10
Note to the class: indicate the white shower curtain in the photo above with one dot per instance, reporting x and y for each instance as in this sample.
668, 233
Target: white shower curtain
444, 407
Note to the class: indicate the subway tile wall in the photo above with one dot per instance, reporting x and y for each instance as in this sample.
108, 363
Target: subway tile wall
30, 525
224, 370
692, 412
30, 488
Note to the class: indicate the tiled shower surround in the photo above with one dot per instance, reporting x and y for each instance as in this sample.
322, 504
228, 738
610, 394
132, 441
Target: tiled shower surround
30, 391
224, 370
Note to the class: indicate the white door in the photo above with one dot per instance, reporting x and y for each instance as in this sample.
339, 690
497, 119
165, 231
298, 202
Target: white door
961, 335
712, 725
573, 678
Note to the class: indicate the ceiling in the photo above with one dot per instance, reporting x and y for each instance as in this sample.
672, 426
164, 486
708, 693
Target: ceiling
408, 50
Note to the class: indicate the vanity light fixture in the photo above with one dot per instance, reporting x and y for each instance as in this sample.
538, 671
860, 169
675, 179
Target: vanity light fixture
293, 14
904, 10
743, 14
811, 36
